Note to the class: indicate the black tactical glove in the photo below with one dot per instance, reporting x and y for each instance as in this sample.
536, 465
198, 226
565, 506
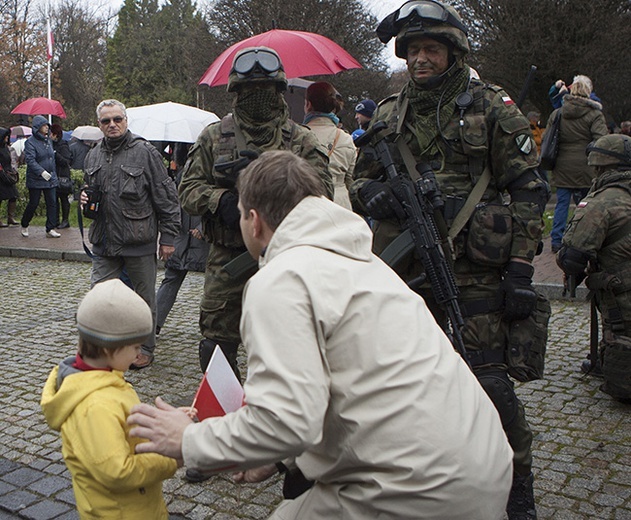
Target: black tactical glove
228, 210
378, 199
519, 296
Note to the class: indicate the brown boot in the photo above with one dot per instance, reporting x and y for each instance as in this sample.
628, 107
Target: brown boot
11, 213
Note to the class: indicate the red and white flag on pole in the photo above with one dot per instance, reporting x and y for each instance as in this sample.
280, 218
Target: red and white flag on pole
220, 392
50, 42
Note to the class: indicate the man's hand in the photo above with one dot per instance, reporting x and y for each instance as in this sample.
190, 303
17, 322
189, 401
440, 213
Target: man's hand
163, 426
196, 233
165, 252
251, 476
83, 198
520, 297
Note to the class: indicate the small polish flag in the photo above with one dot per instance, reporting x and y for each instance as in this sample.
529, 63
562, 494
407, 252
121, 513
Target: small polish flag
220, 392
50, 42
507, 100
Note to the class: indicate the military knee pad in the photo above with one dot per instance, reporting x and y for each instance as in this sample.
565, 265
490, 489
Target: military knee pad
500, 390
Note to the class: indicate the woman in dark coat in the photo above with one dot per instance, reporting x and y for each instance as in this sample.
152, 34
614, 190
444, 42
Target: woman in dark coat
582, 122
41, 177
63, 160
8, 192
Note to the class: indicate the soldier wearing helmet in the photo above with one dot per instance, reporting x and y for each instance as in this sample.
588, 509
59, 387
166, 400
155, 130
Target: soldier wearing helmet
597, 244
259, 122
471, 134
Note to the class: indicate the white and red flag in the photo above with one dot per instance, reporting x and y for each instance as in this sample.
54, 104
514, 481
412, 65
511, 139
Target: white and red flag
50, 42
220, 392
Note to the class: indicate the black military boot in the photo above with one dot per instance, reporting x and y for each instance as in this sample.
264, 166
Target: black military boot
592, 369
521, 501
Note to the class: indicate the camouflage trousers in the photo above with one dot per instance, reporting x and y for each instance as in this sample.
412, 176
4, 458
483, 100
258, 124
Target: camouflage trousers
486, 331
220, 308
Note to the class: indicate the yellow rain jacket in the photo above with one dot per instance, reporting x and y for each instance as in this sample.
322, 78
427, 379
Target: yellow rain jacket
90, 410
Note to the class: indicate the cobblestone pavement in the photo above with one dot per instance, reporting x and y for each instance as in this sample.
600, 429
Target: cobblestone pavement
582, 446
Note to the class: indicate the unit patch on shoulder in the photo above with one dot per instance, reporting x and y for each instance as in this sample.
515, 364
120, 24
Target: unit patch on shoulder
525, 143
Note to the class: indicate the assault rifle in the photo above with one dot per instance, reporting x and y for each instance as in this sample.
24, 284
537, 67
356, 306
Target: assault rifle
414, 207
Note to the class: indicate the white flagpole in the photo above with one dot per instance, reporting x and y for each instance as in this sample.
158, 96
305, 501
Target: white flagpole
48, 52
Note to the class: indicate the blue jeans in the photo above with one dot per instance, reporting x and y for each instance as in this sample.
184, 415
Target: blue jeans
561, 210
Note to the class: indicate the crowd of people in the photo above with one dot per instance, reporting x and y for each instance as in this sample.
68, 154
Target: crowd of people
363, 387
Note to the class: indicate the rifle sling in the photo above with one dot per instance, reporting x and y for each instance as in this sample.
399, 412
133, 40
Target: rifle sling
475, 196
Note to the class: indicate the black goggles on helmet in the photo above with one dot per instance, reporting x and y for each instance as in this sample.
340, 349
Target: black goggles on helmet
423, 10
257, 60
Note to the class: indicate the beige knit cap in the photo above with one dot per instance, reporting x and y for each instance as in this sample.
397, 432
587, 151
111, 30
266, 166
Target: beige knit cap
111, 315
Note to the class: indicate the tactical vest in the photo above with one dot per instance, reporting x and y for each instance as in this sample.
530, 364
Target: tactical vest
227, 144
465, 152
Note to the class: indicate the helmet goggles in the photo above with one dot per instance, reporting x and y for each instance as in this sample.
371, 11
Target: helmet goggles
427, 11
257, 63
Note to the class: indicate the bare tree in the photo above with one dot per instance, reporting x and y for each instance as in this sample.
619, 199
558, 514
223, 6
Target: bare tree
22, 55
80, 49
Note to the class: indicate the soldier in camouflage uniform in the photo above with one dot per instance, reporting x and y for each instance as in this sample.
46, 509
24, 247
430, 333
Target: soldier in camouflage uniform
463, 127
598, 239
259, 122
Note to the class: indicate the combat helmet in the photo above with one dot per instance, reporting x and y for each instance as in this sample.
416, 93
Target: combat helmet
610, 150
256, 64
428, 18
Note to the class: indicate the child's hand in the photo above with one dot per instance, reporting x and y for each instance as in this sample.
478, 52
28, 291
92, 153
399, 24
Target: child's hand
190, 411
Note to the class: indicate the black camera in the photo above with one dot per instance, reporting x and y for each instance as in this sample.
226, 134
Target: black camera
91, 208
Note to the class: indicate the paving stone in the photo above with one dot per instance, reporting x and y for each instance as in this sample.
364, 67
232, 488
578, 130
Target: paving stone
23, 476
45, 510
17, 500
50, 485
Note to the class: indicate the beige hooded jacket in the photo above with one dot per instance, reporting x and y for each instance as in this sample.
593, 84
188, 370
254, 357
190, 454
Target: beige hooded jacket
349, 373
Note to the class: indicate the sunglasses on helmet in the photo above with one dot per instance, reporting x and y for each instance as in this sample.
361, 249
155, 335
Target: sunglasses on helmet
428, 10
425, 10
257, 59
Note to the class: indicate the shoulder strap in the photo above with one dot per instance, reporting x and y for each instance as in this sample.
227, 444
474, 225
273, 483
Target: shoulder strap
472, 201
337, 136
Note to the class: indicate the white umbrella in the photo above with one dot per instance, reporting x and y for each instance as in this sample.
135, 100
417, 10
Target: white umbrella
87, 133
169, 122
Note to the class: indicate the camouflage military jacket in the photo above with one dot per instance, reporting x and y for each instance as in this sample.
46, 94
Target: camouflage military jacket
601, 216
491, 133
202, 187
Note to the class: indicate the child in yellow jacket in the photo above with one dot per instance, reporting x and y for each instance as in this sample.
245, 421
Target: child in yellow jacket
88, 400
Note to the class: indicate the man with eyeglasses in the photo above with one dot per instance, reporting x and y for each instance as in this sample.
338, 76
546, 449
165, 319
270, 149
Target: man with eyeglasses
259, 122
471, 134
137, 203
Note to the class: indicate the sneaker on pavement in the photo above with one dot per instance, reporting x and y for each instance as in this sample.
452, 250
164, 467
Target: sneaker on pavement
52, 234
24, 231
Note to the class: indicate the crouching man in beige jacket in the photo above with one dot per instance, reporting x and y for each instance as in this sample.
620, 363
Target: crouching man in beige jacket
349, 376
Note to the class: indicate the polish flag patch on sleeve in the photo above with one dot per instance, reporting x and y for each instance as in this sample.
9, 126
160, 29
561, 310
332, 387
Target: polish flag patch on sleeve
507, 100
582, 204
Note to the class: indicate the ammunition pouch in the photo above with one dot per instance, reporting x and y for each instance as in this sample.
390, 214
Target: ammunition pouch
527, 343
490, 235
615, 360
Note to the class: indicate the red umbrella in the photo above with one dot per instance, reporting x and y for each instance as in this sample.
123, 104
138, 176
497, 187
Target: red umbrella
302, 54
40, 105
